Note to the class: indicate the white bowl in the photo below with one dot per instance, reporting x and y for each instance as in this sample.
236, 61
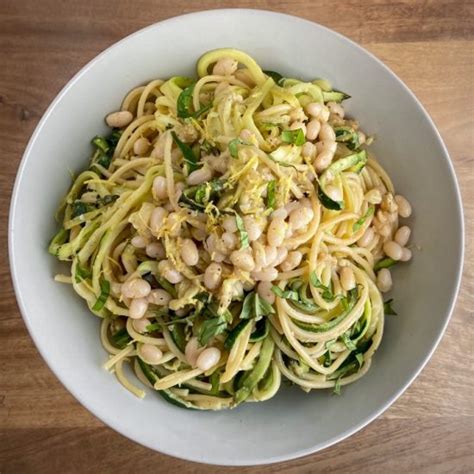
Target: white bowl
408, 145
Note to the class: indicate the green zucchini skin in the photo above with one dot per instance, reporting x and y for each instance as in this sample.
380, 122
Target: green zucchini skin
335, 96
355, 160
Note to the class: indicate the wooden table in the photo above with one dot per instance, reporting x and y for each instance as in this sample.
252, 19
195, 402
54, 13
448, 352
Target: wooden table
429, 44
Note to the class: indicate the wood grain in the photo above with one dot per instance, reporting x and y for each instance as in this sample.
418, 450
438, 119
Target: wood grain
429, 44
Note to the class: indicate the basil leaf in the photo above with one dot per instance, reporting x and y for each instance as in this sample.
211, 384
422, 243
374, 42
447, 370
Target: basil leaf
211, 328
276, 76
81, 274
153, 327
359, 223
384, 263
360, 358
388, 309
256, 307
104, 294
287, 294
190, 158
348, 136
202, 110
79, 208
348, 342
106, 200
233, 147
271, 194
327, 293
101, 143
121, 338
337, 386
185, 100
295, 137
244, 236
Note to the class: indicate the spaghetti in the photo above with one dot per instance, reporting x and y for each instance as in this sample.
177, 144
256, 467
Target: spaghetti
233, 230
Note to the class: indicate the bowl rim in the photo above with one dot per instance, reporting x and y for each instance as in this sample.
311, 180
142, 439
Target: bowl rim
90, 406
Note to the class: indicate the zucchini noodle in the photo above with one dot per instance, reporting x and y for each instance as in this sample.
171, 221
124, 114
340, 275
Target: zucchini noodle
232, 230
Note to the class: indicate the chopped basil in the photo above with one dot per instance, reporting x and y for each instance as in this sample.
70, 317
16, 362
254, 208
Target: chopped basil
244, 236
359, 223
191, 160
337, 386
209, 148
104, 294
327, 294
348, 342
81, 274
255, 307
388, 309
287, 294
121, 338
211, 328
348, 136
198, 197
295, 137
79, 208
276, 76
101, 143
233, 147
185, 100
271, 194
360, 358
153, 327
384, 263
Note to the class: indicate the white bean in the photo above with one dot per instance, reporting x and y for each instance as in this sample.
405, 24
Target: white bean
159, 189
198, 234
301, 217
189, 252
229, 240
149, 353
192, 351
374, 196
314, 109
141, 146
402, 235
208, 358
313, 129
292, 261
384, 280
336, 109
393, 250
157, 217
119, 119
139, 242
155, 250
282, 253
167, 270
268, 274
140, 325
199, 176
254, 230
308, 149
404, 207
138, 308
213, 276
276, 232
323, 160
159, 297
327, 132
334, 193
264, 256
362, 137
225, 67
280, 213
136, 288
243, 259
229, 224
366, 238
264, 290
406, 255
347, 278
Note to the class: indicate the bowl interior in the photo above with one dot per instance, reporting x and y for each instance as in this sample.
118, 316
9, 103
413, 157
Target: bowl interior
407, 144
